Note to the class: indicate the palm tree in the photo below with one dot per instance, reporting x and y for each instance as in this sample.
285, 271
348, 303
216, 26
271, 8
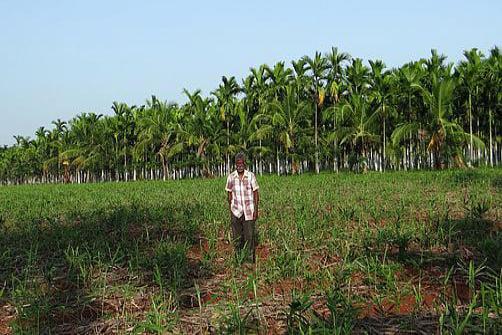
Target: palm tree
468, 72
226, 95
335, 88
274, 116
57, 142
435, 65
279, 78
125, 128
203, 131
42, 143
159, 130
249, 133
261, 91
317, 66
442, 133
493, 81
84, 150
301, 80
409, 79
289, 120
357, 76
259, 81
381, 82
356, 128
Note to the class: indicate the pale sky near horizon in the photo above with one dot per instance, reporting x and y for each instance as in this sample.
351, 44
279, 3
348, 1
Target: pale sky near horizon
62, 58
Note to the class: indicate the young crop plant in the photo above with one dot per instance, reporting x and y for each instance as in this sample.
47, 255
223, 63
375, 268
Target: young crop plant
157, 257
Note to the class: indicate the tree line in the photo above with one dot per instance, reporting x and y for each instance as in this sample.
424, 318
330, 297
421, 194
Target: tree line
326, 112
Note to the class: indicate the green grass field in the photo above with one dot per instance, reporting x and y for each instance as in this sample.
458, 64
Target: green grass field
409, 252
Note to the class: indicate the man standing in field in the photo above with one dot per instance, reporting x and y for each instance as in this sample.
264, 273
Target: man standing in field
243, 198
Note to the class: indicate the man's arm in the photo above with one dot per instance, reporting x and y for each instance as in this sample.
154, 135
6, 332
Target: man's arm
230, 200
256, 198
228, 188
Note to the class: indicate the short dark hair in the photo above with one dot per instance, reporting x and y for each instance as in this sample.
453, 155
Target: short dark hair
240, 156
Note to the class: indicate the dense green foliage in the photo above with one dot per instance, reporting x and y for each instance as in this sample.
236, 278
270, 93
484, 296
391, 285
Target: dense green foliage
418, 250
324, 112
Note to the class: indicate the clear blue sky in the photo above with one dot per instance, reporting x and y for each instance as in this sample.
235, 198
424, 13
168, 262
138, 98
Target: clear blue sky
61, 58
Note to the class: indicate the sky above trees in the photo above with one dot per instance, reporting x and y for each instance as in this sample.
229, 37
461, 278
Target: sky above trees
60, 58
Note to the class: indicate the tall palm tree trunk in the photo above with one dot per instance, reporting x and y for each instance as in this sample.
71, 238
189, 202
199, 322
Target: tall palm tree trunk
125, 165
490, 129
228, 145
164, 168
278, 166
261, 163
384, 141
335, 160
470, 128
315, 139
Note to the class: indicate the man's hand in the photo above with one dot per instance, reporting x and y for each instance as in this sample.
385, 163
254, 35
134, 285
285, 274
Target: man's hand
255, 214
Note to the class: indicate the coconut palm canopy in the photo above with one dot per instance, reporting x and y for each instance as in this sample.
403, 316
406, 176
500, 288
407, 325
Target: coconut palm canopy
324, 112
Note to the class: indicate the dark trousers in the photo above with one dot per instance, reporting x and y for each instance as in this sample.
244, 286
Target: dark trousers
244, 235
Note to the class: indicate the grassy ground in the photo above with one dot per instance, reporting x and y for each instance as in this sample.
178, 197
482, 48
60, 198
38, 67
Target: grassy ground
415, 252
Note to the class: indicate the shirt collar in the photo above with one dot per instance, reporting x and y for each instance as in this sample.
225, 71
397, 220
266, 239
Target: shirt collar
246, 174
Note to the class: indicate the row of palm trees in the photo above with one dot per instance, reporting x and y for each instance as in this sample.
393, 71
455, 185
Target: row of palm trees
326, 112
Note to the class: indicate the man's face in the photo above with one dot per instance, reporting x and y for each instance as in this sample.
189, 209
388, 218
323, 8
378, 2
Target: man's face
240, 165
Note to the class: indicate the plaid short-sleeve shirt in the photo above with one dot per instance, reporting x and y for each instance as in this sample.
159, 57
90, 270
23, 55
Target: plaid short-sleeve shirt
242, 193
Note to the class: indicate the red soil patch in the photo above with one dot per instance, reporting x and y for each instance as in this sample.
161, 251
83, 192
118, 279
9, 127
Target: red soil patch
135, 231
357, 278
196, 251
209, 298
462, 290
405, 306
430, 290
223, 249
191, 300
263, 252
282, 287
320, 260
320, 308
7, 315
